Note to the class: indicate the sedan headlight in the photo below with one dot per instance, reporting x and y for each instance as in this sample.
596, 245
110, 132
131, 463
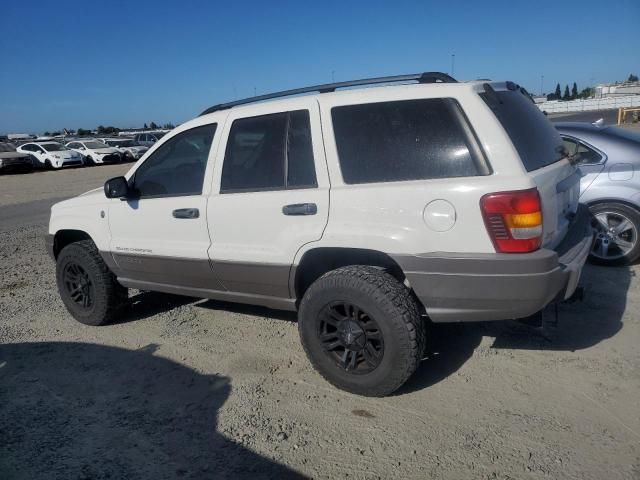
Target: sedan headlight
56, 156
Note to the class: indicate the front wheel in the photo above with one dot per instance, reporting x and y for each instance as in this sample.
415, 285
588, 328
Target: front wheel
362, 330
617, 226
87, 287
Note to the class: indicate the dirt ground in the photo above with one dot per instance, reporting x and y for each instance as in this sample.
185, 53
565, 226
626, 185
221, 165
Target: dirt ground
187, 388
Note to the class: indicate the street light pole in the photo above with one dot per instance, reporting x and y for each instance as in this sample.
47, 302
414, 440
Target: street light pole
541, 84
453, 60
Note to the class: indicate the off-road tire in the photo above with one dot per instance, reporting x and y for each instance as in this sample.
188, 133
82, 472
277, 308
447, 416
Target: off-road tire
634, 217
108, 294
396, 313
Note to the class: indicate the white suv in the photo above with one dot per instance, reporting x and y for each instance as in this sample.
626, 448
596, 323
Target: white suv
369, 211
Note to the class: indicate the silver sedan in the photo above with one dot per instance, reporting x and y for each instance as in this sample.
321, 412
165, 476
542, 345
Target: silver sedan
609, 158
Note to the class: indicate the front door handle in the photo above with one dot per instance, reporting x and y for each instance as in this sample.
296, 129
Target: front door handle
186, 213
300, 209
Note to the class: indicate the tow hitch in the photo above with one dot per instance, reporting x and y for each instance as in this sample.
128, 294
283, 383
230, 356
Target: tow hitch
549, 316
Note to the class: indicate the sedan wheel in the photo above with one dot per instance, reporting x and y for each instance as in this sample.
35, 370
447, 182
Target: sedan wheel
616, 239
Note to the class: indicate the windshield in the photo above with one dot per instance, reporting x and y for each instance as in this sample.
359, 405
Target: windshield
94, 145
536, 140
7, 147
53, 147
120, 143
158, 135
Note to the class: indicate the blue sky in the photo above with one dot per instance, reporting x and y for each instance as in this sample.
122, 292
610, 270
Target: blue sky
84, 64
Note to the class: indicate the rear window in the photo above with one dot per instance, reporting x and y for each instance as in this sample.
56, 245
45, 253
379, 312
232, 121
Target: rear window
536, 140
405, 140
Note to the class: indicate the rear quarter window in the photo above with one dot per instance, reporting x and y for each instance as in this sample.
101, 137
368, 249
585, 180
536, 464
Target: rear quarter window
537, 142
405, 140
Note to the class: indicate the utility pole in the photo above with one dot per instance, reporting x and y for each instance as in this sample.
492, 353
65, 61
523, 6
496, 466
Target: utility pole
453, 61
541, 84
333, 78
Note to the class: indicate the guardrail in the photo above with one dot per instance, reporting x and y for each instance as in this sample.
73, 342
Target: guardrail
604, 103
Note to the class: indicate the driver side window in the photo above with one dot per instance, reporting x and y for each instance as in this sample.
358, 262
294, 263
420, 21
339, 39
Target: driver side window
177, 167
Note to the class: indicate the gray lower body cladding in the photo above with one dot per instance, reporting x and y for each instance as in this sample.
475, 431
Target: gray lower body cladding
481, 287
258, 284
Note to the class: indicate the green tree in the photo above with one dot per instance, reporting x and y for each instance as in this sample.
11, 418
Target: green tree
145, 126
586, 93
567, 95
574, 91
153, 126
83, 132
47, 134
169, 126
558, 93
632, 78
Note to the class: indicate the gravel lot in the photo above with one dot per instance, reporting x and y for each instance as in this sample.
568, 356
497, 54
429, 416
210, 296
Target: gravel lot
187, 388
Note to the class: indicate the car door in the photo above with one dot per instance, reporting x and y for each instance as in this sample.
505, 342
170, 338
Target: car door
270, 196
39, 153
160, 235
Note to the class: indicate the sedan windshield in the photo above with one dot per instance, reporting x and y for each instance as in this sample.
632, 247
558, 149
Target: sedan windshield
120, 143
95, 145
53, 147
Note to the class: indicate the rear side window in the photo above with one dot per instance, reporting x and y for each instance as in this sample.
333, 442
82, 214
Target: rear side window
405, 140
534, 137
269, 152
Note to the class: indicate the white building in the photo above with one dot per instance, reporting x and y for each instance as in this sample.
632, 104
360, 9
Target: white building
617, 89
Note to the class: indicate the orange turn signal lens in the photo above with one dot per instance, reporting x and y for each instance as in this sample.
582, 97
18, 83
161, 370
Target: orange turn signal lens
523, 220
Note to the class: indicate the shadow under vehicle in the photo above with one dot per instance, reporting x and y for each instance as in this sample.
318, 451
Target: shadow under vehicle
77, 410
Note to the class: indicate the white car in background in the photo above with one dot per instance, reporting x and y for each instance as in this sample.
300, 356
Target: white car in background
95, 152
51, 154
127, 147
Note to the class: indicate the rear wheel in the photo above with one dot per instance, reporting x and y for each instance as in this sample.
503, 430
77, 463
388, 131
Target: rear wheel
617, 227
362, 330
87, 287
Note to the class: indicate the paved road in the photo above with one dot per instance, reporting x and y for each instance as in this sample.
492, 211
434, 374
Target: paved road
30, 213
610, 116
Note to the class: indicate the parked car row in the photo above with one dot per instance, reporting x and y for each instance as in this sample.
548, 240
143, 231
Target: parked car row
52, 154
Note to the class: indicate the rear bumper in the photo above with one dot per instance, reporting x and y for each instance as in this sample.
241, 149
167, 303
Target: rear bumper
495, 286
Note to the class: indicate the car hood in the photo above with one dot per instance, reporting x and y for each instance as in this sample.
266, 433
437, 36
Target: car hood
66, 155
105, 150
92, 197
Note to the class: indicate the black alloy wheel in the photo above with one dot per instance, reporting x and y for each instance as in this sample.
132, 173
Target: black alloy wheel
78, 285
350, 337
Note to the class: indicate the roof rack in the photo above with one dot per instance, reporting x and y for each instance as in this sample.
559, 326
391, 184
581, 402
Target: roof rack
426, 77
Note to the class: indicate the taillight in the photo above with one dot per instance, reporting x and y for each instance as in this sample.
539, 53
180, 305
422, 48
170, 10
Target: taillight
514, 220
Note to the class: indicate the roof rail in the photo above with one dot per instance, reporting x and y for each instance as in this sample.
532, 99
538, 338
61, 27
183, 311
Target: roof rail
426, 77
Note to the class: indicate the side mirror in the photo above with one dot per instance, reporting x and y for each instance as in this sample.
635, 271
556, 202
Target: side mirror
116, 187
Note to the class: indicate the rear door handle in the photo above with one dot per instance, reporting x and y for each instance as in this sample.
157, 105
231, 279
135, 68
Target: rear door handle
186, 213
300, 209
